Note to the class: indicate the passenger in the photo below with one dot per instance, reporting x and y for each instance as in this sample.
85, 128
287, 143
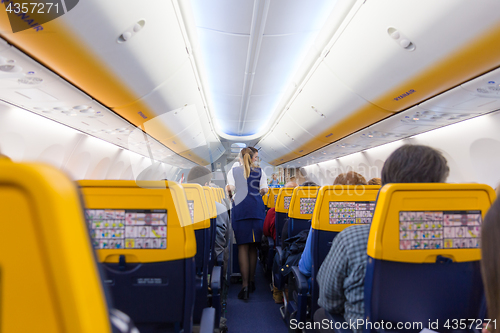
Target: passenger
248, 182
309, 177
274, 181
490, 262
375, 181
305, 263
341, 276
269, 226
349, 178
203, 176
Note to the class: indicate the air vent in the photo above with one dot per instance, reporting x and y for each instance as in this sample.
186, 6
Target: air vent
131, 31
10, 68
30, 80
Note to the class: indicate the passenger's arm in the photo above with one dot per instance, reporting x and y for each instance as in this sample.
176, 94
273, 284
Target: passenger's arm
222, 225
305, 263
230, 184
263, 183
266, 229
331, 276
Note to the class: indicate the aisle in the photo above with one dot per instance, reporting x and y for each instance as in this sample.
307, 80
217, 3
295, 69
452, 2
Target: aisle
258, 314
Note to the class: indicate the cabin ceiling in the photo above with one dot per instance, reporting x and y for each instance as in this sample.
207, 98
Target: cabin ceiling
250, 51
302, 80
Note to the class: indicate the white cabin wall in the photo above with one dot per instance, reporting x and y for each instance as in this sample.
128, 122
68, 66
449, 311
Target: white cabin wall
471, 147
28, 137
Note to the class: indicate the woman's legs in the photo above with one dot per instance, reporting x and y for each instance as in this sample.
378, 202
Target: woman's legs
252, 255
243, 258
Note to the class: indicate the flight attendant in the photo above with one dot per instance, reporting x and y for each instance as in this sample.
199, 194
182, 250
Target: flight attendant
249, 183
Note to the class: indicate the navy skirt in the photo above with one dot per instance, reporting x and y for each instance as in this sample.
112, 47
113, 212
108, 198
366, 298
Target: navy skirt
248, 231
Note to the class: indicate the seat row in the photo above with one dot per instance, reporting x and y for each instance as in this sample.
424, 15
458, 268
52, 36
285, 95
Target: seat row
154, 243
423, 249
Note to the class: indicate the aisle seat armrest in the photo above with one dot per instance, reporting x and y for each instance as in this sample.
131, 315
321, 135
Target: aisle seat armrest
216, 278
270, 242
279, 250
335, 320
207, 324
301, 281
220, 259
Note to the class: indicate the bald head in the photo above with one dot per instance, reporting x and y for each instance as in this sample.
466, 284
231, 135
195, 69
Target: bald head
291, 184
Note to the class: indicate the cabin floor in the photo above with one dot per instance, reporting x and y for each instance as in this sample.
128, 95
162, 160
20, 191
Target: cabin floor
259, 314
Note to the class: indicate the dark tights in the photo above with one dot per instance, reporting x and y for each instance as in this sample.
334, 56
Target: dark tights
247, 257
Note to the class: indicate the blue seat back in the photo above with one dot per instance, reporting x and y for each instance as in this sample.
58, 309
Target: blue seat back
144, 237
281, 211
212, 210
301, 209
337, 207
423, 253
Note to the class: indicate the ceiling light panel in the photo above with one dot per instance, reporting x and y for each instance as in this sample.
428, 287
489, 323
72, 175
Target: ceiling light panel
366, 58
251, 51
227, 126
214, 15
224, 57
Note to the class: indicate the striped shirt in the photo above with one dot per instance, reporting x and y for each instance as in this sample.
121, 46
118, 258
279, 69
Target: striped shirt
341, 277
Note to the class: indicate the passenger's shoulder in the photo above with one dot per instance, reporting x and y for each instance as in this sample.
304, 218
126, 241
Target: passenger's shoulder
220, 208
355, 231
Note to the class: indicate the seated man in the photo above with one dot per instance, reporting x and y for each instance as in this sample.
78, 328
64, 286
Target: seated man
203, 176
305, 263
342, 274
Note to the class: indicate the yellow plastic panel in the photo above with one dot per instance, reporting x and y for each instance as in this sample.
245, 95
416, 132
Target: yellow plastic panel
153, 195
218, 194
384, 240
265, 198
201, 217
301, 193
285, 194
49, 281
273, 194
209, 194
339, 193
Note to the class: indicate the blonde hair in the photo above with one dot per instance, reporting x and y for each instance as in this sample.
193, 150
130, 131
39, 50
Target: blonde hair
247, 155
